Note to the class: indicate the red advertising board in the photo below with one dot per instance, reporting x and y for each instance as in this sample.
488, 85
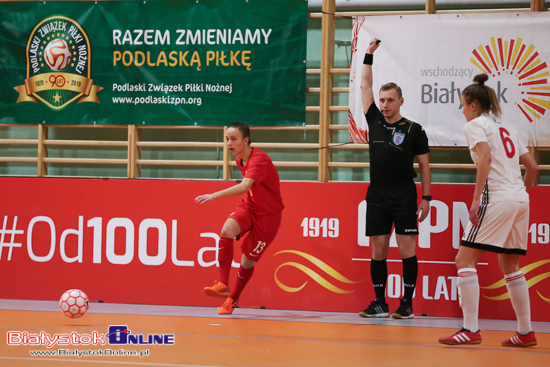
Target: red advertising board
147, 242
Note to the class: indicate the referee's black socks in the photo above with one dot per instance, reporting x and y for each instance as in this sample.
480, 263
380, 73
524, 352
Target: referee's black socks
379, 275
410, 273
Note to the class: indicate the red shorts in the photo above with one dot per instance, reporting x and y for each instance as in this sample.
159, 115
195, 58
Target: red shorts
261, 230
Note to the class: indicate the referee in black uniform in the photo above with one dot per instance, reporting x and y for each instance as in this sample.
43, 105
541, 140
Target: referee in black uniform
391, 197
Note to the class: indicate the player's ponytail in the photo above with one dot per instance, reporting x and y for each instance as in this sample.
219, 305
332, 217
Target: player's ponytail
483, 95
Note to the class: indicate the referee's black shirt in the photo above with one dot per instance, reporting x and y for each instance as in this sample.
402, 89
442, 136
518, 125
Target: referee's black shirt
392, 149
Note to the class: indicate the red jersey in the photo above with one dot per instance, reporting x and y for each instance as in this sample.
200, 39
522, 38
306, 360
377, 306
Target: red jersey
264, 197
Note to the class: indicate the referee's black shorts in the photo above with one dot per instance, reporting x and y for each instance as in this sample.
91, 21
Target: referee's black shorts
391, 206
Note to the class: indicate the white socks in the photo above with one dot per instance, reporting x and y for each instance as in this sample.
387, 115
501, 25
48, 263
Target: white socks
519, 295
468, 294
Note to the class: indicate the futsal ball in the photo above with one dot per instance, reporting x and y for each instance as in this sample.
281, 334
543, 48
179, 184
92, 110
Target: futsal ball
74, 303
57, 54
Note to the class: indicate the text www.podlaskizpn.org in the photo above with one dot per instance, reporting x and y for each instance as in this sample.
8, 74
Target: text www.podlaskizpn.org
158, 100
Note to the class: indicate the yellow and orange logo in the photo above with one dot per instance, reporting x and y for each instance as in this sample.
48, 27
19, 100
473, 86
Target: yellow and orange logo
515, 58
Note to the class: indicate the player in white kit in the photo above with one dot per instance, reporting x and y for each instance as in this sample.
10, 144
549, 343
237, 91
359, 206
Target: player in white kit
499, 214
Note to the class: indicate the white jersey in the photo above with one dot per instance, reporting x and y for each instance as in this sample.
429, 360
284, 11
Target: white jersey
504, 182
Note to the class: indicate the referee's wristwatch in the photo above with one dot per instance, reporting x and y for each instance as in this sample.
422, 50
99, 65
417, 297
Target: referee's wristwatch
427, 197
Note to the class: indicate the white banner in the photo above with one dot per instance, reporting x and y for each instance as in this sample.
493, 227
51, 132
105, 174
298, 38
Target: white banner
434, 57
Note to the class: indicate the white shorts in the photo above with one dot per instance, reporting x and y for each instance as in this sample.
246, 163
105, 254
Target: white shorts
503, 228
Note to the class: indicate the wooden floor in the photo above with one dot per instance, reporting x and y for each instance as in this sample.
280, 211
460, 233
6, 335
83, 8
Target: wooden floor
263, 338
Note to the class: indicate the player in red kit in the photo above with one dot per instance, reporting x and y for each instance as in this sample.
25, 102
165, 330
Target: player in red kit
258, 214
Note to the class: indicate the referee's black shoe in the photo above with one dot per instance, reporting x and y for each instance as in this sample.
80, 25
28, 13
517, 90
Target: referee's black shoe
404, 311
377, 308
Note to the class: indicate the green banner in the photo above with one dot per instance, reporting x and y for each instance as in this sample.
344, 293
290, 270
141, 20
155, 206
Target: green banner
164, 62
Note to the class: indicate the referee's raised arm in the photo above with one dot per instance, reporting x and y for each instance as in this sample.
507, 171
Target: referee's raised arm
367, 94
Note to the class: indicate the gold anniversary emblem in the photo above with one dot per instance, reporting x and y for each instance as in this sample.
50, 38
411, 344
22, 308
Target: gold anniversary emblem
58, 65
